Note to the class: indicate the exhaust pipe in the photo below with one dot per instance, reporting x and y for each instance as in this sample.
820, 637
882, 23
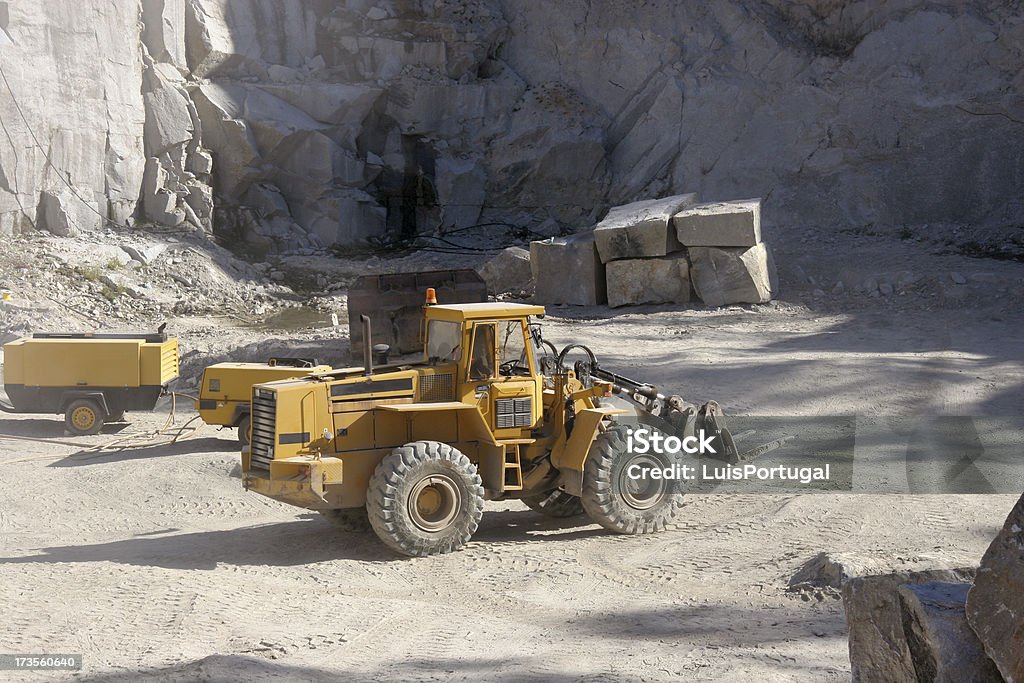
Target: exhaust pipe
367, 346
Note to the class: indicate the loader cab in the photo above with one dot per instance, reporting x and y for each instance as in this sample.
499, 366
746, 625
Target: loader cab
496, 365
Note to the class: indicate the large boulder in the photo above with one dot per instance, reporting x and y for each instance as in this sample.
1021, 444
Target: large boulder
733, 276
509, 271
942, 646
995, 605
640, 229
66, 214
664, 280
722, 224
832, 570
567, 270
878, 646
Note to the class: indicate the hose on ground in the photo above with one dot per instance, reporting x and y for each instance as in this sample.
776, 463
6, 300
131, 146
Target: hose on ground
162, 436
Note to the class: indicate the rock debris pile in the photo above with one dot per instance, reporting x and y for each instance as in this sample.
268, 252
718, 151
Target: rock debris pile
943, 625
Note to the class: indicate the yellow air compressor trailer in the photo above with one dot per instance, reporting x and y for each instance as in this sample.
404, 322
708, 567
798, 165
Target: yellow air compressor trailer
226, 389
92, 378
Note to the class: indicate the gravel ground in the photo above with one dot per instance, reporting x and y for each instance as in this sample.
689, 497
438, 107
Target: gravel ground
152, 561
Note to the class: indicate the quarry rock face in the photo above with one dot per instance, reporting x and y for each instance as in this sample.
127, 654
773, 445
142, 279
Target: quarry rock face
995, 605
79, 87
406, 116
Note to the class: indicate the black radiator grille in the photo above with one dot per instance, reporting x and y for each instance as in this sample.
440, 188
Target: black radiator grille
264, 428
436, 388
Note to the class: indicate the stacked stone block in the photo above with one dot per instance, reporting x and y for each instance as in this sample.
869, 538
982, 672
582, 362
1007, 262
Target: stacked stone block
670, 250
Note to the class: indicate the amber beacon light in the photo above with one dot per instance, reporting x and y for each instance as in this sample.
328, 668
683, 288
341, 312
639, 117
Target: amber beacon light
431, 297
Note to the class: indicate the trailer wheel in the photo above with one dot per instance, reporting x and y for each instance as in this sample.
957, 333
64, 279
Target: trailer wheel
118, 417
554, 503
83, 417
619, 503
348, 519
425, 498
245, 430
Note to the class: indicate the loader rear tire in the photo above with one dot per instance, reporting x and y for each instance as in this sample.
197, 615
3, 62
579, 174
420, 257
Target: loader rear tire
245, 430
425, 498
554, 503
84, 417
618, 503
352, 520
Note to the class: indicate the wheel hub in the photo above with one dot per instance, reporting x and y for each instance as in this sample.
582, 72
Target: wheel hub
83, 418
434, 503
644, 492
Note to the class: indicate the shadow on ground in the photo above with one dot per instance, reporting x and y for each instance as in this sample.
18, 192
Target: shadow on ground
44, 428
208, 444
235, 667
310, 540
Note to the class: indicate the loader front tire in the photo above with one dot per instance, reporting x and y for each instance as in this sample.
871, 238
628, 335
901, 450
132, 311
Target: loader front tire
619, 503
353, 520
425, 498
554, 503
84, 417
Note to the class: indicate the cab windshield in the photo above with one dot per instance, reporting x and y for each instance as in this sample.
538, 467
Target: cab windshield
444, 341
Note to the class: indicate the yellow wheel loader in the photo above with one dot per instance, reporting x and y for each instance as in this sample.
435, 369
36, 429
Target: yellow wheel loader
491, 412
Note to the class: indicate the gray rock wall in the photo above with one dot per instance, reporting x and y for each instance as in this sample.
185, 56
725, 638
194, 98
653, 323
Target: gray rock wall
331, 123
77, 81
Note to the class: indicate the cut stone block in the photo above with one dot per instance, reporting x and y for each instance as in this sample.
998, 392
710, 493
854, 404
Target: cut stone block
733, 276
878, 647
567, 270
943, 648
995, 606
509, 271
720, 224
664, 280
640, 229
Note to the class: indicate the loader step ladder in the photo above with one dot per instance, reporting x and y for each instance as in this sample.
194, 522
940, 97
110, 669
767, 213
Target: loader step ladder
513, 470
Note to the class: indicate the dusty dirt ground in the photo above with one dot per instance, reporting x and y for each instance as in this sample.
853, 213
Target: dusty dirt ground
153, 562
